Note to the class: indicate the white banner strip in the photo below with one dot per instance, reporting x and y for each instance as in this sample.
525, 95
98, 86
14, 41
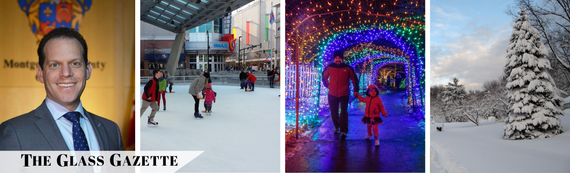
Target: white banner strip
98, 161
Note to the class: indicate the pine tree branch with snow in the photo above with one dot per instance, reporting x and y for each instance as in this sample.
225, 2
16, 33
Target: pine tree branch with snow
534, 105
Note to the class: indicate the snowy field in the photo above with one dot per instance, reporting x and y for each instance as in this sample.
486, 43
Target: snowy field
241, 135
464, 147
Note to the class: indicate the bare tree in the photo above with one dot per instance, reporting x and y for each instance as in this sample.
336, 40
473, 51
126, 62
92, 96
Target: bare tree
561, 78
496, 95
552, 19
152, 47
475, 107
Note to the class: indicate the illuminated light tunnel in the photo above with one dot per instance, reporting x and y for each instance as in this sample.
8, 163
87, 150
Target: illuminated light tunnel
370, 33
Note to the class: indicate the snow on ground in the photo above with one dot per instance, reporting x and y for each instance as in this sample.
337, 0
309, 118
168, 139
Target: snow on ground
241, 135
463, 147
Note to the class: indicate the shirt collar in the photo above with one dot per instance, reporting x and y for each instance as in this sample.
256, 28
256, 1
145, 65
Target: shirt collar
57, 110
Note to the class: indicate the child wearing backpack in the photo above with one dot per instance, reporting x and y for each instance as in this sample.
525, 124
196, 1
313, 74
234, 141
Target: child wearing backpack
374, 107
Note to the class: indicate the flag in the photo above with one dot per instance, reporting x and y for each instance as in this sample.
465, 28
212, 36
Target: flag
247, 33
271, 17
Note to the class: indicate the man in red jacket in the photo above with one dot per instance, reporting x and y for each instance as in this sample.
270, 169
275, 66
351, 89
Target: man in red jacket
150, 96
336, 78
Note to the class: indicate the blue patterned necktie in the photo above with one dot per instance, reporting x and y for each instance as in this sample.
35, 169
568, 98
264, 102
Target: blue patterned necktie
79, 139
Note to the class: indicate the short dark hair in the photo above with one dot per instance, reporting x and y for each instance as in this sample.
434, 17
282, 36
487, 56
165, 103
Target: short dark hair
339, 53
61, 32
155, 71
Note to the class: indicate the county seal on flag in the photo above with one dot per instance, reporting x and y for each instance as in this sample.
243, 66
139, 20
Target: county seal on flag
46, 15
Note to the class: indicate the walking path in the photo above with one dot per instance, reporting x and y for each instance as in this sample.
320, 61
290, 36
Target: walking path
402, 143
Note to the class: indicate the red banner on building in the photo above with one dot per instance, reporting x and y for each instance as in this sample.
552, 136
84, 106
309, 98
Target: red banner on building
247, 33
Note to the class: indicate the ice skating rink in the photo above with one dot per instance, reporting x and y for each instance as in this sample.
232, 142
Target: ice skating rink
241, 135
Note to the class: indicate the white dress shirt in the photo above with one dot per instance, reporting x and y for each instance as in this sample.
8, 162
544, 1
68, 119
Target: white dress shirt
66, 127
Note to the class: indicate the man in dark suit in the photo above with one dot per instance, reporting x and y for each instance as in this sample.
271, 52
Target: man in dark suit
61, 122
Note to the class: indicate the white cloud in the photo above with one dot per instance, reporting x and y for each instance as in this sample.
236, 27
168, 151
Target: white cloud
442, 15
475, 56
440, 25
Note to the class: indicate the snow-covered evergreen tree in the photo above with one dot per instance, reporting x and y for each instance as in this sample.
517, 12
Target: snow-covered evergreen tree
452, 98
534, 105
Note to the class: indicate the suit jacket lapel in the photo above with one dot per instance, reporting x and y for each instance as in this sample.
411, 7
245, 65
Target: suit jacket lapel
100, 131
49, 129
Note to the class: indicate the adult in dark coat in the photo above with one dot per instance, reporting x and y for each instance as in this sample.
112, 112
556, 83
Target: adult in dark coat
271, 77
242, 77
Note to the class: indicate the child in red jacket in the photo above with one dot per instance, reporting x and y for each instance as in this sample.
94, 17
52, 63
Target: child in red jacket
208, 98
372, 113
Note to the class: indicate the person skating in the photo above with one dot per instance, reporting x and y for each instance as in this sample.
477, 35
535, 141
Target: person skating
374, 107
169, 81
336, 77
251, 81
162, 82
150, 95
271, 77
209, 96
196, 87
242, 78
207, 75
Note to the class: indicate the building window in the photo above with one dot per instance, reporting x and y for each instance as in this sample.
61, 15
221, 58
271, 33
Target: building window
217, 26
204, 27
193, 30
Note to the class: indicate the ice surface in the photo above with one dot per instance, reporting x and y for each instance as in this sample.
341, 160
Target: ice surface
567, 100
483, 149
241, 135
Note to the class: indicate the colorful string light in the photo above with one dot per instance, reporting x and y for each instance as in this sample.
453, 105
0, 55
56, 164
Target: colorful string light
371, 35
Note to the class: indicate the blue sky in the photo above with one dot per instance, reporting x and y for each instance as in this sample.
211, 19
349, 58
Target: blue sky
468, 40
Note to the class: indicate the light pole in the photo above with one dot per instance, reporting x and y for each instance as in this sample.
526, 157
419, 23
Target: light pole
239, 52
208, 50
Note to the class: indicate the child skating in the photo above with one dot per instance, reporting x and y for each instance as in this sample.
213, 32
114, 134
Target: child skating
209, 97
162, 90
374, 107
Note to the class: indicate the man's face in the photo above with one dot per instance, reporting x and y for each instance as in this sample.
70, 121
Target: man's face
337, 60
158, 75
64, 74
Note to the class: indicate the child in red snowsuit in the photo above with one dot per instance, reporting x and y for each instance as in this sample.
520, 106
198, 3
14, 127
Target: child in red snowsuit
374, 107
208, 98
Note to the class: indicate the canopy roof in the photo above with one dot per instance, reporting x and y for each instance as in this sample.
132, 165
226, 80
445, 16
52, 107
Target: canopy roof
180, 15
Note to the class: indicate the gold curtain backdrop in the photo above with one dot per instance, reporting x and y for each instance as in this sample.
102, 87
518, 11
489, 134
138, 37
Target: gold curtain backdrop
109, 29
